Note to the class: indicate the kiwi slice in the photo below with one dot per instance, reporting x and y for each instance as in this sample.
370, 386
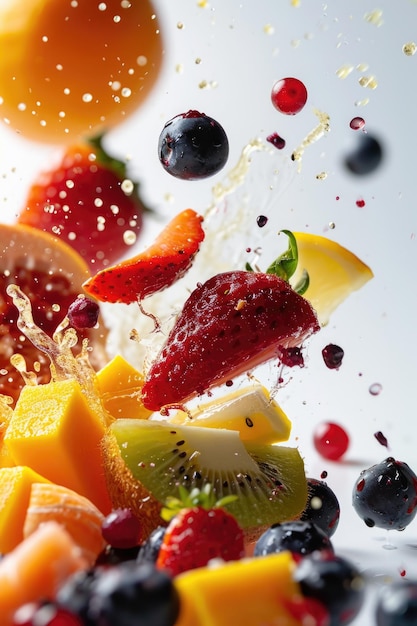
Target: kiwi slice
269, 480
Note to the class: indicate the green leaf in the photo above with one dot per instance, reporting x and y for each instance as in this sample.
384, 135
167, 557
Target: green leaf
303, 284
286, 264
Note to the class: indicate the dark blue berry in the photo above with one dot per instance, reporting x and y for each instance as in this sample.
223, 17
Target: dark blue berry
150, 548
83, 313
397, 605
366, 157
385, 495
193, 146
334, 582
133, 594
299, 537
114, 556
322, 506
75, 594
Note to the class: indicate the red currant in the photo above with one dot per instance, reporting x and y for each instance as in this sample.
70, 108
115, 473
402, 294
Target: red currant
121, 529
289, 96
331, 440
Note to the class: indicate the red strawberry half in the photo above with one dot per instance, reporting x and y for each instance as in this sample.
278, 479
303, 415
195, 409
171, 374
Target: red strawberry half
154, 269
229, 325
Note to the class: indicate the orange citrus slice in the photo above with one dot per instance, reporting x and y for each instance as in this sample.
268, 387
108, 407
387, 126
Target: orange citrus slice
334, 272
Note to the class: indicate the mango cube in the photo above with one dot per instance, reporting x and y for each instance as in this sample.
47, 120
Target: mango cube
250, 592
15, 488
119, 385
56, 432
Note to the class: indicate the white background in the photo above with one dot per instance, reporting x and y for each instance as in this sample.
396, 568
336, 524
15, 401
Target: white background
244, 47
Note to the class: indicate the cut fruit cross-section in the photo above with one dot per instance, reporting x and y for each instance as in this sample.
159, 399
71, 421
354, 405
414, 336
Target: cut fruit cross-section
269, 480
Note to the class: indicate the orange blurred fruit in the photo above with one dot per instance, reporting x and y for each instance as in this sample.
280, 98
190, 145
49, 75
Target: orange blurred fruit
50, 273
77, 514
75, 67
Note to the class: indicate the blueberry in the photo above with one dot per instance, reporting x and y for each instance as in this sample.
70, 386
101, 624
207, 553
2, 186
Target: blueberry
114, 556
76, 593
193, 146
366, 157
397, 605
150, 548
385, 495
322, 507
132, 594
300, 537
334, 582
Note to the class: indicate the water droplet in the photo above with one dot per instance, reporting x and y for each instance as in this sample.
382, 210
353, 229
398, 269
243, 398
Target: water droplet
375, 389
129, 237
410, 48
127, 186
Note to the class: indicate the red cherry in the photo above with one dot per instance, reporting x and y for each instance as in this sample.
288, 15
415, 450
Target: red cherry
289, 96
331, 440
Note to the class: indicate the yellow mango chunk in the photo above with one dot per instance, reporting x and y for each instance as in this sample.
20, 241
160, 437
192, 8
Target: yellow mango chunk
57, 433
250, 592
119, 385
6, 412
15, 488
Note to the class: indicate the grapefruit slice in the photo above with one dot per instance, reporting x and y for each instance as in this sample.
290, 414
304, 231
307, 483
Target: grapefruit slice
50, 273
334, 272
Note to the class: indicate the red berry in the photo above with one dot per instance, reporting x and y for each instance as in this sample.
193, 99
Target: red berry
331, 440
83, 313
121, 529
333, 356
289, 96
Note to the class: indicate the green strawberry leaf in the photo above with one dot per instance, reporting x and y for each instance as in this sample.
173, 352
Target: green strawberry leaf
286, 264
204, 498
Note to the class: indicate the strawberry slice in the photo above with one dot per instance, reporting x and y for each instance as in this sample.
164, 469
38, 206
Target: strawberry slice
154, 269
229, 325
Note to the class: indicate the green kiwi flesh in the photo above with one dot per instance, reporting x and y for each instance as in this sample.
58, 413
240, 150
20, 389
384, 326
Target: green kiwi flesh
269, 480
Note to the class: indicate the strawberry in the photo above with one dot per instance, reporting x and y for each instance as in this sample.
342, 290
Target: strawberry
200, 531
83, 200
228, 325
154, 269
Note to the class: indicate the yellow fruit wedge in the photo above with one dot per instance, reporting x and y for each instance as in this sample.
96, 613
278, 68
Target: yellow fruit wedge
250, 592
334, 272
250, 410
